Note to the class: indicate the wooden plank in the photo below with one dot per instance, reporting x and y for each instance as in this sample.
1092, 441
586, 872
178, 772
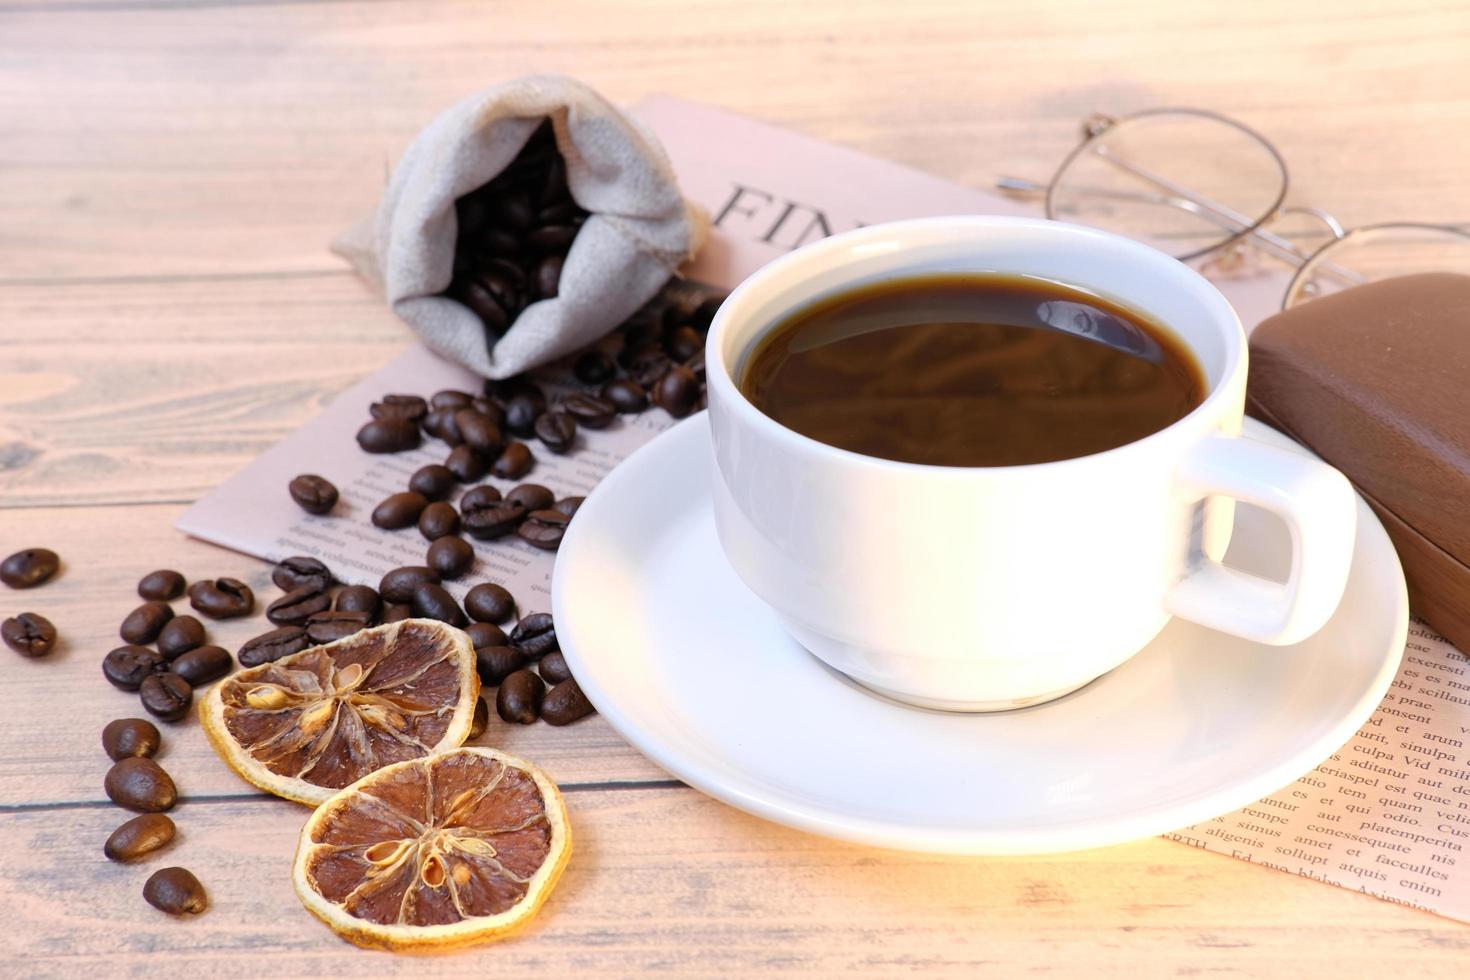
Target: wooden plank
668, 881
56, 707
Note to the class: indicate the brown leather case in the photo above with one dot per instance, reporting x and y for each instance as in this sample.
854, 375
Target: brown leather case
1376, 380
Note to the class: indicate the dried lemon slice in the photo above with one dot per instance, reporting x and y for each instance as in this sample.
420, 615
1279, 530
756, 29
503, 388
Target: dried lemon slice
438, 852
308, 724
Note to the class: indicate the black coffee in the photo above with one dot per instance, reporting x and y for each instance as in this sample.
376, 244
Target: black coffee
972, 370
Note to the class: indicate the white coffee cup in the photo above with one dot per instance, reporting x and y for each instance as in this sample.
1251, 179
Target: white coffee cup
986, 588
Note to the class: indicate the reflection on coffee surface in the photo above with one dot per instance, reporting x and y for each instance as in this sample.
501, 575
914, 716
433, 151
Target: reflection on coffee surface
971, 370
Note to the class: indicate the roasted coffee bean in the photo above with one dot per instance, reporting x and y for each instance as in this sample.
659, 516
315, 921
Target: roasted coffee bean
495, 521
547, 276
397, 612
202, 665
557, 431
328, 627
514, 461
677, 391
479, 432
127, 666
143, 624
435, 482
544, 529
490, 410
297, 606
166, 696
399, 510
360, 598
439, 520
482, 302
628, 396
29, 568
559, 213
594, 367
551, 238
450, 398
451, 556
270, 647
480, 720
642, 329
553, 668
696, 365
513, 210
299, 571
431, 601
486, 635
175, 891
313, 494
648, 365
224, 598
466, 465
489, 603
674, 315
506, 289
704, 313
29, 634
535, 635
590, 411
163, 585
565, 703
180, 635
568, 505
495, 663
532, 496
410, 407
141, 835
681, 343
519, 699
140, 784
388, 436
440, 424
479, 498
399, 584
521, 413
517, 386
129, 737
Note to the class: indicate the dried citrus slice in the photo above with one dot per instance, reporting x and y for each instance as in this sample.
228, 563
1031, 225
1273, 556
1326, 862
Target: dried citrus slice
306, 725
438, 852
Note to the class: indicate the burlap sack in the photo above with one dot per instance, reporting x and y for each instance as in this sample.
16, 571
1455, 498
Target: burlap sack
640, 231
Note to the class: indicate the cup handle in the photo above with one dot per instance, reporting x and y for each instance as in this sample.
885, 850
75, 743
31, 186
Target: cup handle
1319, 507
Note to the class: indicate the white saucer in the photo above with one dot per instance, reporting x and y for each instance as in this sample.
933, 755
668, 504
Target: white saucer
693, 670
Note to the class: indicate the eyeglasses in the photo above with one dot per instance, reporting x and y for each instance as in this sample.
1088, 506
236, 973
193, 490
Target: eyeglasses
1196, 183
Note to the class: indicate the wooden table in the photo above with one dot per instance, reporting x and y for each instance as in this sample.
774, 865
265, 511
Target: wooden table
170, 171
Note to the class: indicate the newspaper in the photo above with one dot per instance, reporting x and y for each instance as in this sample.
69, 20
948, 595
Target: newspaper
1388, 814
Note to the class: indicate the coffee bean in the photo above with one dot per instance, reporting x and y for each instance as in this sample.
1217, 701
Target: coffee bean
202, 665
29, 568
594, 367
450, 556
519, 699
440, 424
141, 835
589, 410
409, 407
481, 300
557, 431
388, 436
312, 493
705, 312
399, 510
360, 598
504, 288
489, 603
175, 891
466, 465
514, 461
480, 432
297, 606
435, 482
328, 627
486, 635
674, 315
399, 584
143, 624
535, 635
180, 635
642, 329
127, 666
646, 366
559, 213
682, 342
677, 391
565, 703
140, 784
490, 410
129, 737
29, 634
532, 496
166, 696
163, 585
270, 647
397, 612
547, 276
451, 398
544, 529
696, 365
224, 598
568, 505
431, 601
439, 520
628, 396
495, 663
480, 720
551, 238
553, 668
494, 521
521, 413
299, 571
